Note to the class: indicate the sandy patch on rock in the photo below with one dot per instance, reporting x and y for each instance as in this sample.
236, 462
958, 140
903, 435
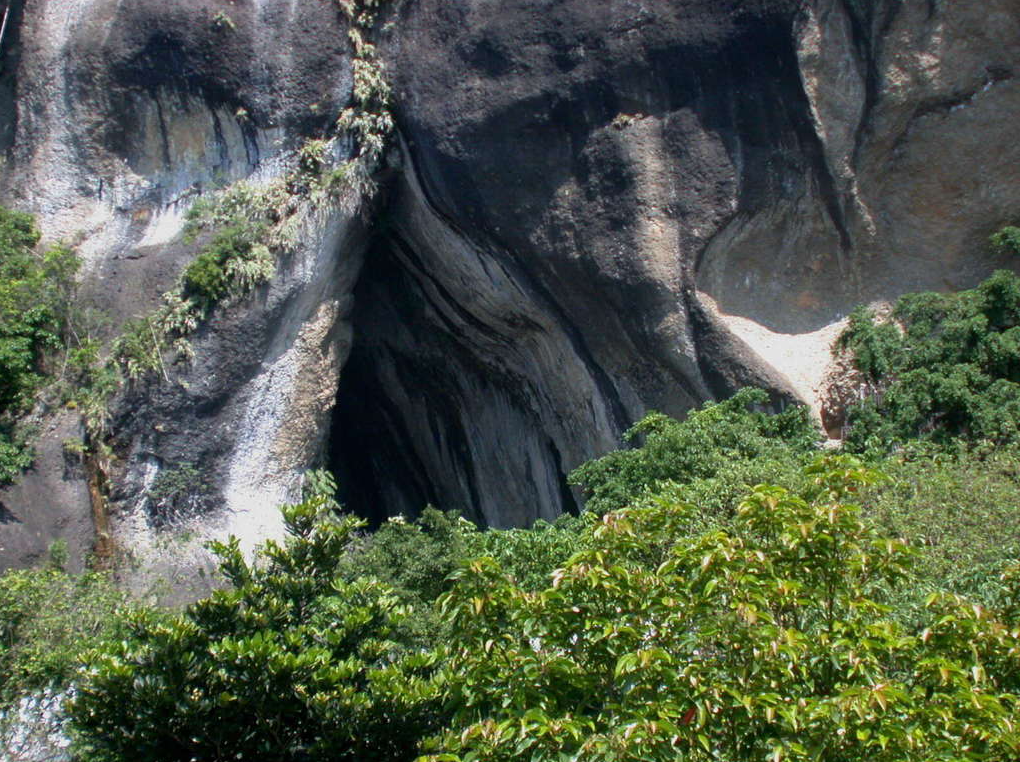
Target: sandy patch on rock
804, 358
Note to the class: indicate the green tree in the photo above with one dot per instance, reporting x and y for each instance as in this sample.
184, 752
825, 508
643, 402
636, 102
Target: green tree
290, 662
47, 617
945, 368
715, 441
530, 556
765, 641
961, 511
417, 558
35, 288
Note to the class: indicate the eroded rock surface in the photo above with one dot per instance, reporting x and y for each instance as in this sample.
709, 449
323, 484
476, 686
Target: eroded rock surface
566, 178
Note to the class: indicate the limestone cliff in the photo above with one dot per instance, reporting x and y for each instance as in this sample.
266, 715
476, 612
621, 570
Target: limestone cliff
581, 206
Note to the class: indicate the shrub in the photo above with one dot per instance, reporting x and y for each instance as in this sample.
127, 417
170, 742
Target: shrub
960, 511
233, 260
1007, 241
290, 662
414, 558
176, 493
946, 369
417, 558
530, 556
35, 291
705, 445
47, 617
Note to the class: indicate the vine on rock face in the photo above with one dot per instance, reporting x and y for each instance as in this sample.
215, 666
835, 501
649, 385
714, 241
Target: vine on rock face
369, 117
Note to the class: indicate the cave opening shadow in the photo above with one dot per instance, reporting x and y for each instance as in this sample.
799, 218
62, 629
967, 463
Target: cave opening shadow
424, 417
371, 452
376, 471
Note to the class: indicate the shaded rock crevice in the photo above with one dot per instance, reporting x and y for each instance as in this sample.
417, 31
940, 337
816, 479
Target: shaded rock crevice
463, 388
10, 53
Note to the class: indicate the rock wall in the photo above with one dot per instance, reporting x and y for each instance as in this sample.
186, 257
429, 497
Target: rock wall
585, 206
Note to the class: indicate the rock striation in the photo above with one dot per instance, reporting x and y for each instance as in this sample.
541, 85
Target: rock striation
580, 204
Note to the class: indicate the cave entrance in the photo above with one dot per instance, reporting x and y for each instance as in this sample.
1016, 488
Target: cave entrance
429, 413
371, 451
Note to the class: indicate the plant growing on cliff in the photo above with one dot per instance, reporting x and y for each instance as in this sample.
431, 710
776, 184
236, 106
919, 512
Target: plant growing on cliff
35, 289
254, 223
222, 21
369, 117
1007, 241
944, 367
234, 261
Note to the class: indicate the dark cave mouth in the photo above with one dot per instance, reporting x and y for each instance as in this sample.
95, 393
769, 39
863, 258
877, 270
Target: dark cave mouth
406, 431
373, 464
386, 386
379, 462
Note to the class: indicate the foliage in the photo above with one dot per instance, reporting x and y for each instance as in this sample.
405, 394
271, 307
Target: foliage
174, 492
139, 347
290, 663
35, 289
417, 558
530, 556
960, 511
369, 117
16, 452
874, 343
47, 617
222, 21
233, 261
705, 445
946, 368
87, 379
767, 641
1007, 241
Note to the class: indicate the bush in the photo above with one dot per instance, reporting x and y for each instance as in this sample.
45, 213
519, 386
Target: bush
290, 662
1007, 241
530, 556
947, 369
35, 289
417, 558
705, 445
960, 511
234, 259
414, 558
47, 617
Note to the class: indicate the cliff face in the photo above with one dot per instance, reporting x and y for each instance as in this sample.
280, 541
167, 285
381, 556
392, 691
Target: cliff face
572, 189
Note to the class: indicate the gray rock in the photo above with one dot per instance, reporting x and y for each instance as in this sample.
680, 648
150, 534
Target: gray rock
567, 177
50, 502
34, 729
